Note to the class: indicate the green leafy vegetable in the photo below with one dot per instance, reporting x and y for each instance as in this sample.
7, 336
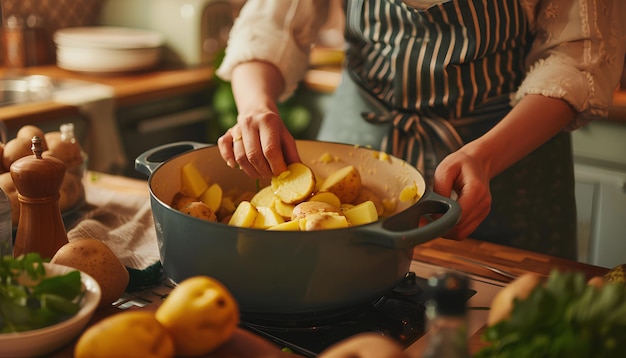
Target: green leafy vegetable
30, 300
565, 317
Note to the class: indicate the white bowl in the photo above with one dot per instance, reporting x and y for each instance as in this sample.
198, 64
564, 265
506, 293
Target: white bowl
45, 340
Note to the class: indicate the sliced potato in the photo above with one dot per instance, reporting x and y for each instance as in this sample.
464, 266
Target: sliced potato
327, 197
323, 221
409, 192
362, 214
212, 197
294, 185
192, 182
367, 194
283, 209
267, 217
312, 207
264, 197
244, 215
291, 225
227, 207
345, 183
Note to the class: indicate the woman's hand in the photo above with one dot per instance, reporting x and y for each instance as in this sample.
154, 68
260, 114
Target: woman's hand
463, 174
468, 171
260, 145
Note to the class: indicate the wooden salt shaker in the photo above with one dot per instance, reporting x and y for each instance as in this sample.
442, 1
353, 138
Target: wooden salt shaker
38, 181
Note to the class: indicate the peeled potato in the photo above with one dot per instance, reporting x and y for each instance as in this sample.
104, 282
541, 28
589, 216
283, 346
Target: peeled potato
345, 183
267, 217
294, 185
323, 221
327, 197
264, 197
192, 182
212, 197
244, 215
366, 194
361, 214
95, 258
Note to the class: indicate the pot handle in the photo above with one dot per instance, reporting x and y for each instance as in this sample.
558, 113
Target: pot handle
401, 231
148, 161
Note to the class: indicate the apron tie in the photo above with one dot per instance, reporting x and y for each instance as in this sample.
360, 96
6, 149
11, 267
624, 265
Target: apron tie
411, 135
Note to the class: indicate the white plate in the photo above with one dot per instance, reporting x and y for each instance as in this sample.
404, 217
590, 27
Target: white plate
45, 340
112, 37
107, 49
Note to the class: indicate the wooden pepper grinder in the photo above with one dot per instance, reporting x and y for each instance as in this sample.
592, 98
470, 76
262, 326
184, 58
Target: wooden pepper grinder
38, 181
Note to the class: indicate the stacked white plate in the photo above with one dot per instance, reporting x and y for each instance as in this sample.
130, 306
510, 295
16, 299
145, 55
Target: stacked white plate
106, 49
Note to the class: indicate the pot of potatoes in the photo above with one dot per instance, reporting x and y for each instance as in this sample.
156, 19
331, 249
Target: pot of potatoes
59, 144
334, 231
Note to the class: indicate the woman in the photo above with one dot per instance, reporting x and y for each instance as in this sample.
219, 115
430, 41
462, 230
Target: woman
479, 94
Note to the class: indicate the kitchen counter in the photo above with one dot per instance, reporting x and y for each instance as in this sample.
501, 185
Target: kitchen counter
439, 252
128, 88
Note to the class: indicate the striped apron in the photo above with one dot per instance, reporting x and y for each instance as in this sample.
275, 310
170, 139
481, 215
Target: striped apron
421, 83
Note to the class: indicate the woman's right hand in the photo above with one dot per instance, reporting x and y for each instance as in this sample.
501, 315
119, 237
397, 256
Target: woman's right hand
259, 144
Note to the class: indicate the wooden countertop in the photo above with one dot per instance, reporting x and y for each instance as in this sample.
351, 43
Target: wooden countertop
439, 252
128, 88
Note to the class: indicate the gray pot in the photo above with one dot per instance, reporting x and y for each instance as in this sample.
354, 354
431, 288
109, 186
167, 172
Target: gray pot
281, 272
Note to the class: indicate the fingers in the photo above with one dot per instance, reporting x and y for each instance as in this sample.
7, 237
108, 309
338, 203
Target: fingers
226, 144
460, 174
261, 147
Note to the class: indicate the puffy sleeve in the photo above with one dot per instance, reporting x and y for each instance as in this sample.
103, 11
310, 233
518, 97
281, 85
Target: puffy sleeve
577, 54
277, 31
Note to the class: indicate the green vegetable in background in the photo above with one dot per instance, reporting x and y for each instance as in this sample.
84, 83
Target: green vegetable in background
565, 317
29, 300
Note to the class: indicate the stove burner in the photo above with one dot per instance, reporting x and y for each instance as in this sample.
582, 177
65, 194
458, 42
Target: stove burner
399, 315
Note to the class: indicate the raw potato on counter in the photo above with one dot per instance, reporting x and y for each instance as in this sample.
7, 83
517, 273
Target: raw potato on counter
95, 258
197, 317
72, 191
295, 200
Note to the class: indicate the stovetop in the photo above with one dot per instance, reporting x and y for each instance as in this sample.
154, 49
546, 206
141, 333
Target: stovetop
398, 315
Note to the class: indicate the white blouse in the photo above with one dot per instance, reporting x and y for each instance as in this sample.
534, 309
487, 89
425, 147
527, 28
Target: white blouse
577, 54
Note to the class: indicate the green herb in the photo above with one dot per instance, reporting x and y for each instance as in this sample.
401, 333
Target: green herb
566, 317
30, 300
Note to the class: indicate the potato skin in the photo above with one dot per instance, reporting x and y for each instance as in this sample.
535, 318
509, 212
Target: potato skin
310, 207
95, 258
7, 185
200, 210
72, 192
181, 200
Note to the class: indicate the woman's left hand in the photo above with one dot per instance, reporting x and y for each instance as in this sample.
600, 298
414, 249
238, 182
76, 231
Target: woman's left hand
463, 174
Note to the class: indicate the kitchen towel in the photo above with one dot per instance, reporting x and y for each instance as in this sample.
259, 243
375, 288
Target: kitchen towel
122, 219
